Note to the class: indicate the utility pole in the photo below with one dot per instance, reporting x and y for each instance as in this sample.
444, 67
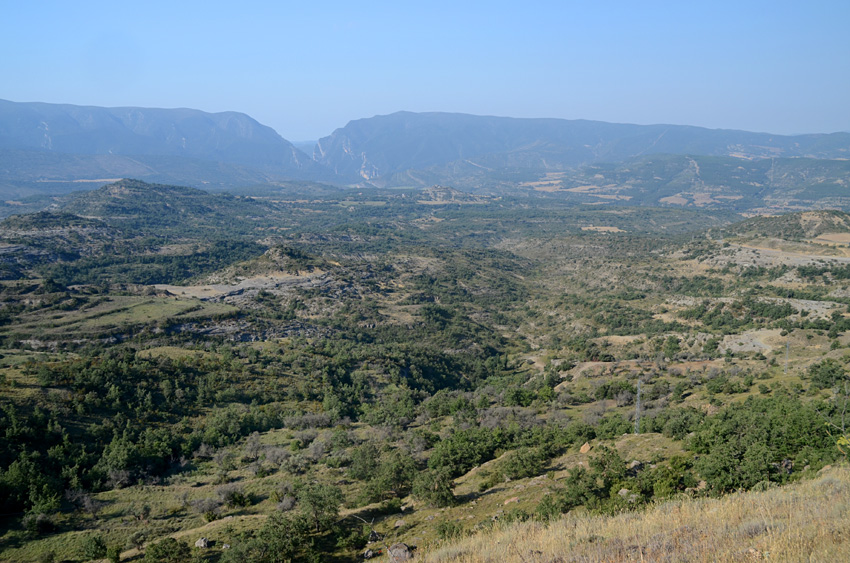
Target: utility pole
637, 410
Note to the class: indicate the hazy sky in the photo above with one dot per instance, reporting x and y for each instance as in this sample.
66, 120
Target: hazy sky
307, 68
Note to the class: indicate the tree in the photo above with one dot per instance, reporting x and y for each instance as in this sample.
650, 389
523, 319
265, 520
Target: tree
284, 535
434, 487
671, 347
280, 540
363, 460
320, 503
393, 478
827, 374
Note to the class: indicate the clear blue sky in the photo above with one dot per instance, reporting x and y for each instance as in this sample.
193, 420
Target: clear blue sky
307, 68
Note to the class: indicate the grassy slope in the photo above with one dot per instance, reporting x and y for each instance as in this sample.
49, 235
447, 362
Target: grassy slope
806, 521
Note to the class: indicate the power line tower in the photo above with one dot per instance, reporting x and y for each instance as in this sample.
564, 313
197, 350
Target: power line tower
787, 346
637, 410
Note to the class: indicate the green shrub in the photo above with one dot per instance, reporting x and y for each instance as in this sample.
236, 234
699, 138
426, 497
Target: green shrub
434, 487
524, 462
449, 529
168, 550
94, 547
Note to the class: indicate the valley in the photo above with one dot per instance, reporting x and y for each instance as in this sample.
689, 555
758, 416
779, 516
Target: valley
316, 373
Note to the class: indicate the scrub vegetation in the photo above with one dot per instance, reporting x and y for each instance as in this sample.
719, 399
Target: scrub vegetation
308, 378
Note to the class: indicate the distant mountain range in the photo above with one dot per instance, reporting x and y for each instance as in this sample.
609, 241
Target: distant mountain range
383, 146
48, 148
52, 144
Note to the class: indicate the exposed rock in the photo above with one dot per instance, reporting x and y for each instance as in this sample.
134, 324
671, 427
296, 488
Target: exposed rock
634, 468
623, 492
369, 554
400, 552
512, 499
203, 543
585, 448
398, 523
375, 536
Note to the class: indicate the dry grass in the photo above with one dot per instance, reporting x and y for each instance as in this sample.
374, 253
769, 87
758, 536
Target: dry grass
603, 229
807, 521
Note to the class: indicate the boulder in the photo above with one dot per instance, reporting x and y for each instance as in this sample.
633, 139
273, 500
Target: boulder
203, 543
585, 448
400, 552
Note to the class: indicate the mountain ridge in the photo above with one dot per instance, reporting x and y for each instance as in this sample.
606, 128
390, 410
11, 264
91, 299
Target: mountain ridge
48, 148
232, 141
380, 146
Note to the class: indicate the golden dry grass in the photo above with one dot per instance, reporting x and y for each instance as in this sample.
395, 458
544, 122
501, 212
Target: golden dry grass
807, 521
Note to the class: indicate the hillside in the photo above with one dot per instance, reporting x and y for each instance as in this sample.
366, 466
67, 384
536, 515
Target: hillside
761, 185
62, 143
135, 231
802, 522
226, 137
147, 206
794, 226
378, 147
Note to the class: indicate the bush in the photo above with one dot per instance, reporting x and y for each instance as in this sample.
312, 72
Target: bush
94, 547
168, 550
524, 462
463, 450
209, 507
449, 529
38, 523
233, 496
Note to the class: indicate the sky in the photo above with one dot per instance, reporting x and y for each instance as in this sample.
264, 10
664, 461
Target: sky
308, 68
